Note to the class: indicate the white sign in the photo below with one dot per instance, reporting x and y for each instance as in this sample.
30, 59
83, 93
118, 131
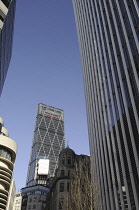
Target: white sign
43, 166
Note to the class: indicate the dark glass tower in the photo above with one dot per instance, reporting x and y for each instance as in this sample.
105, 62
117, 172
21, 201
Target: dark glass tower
7, 14
108, 32
48, 140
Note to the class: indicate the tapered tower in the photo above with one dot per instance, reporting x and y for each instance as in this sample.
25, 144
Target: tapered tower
47, 143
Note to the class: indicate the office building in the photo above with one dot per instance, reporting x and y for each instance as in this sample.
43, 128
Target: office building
7, 14
47, 143
108, 33
8, 149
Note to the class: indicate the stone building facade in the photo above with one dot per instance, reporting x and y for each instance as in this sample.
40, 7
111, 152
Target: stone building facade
70, 183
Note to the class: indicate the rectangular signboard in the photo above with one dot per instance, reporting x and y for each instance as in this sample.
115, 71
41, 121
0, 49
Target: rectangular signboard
43, 166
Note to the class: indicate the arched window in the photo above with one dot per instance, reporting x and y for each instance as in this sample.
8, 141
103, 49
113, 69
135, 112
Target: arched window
69, 160
63, 159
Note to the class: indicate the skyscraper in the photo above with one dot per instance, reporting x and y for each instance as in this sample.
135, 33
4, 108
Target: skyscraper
108, 33
7, 14
47, 143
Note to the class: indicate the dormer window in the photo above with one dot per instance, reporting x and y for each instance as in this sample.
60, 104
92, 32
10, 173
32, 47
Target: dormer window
69, 160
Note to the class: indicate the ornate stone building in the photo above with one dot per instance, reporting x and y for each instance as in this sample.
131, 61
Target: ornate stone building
72, 183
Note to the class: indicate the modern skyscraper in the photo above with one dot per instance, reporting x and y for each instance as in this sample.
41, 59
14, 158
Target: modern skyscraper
7, 14
108, 33
8, 149
47, 143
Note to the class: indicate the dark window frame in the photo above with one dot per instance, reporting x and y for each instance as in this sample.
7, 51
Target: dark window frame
61, 187
62, 173
69, 160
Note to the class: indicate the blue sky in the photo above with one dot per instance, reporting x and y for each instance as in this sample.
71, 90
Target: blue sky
45, 68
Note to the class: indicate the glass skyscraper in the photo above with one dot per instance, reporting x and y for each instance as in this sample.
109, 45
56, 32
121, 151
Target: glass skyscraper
108, 33
7, 14
48, 141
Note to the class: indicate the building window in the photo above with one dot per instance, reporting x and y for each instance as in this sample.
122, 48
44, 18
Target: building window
34, 206
61, 187
24, 202
62, 173
35, 199
69, 160
83, 189
68, 172
5, 154
38, 192
68, 186
29, 207
60, 204
30, 200
63, 159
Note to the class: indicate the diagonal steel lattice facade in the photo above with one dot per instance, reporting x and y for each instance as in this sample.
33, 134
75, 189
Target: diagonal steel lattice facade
48, 139
108, 32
